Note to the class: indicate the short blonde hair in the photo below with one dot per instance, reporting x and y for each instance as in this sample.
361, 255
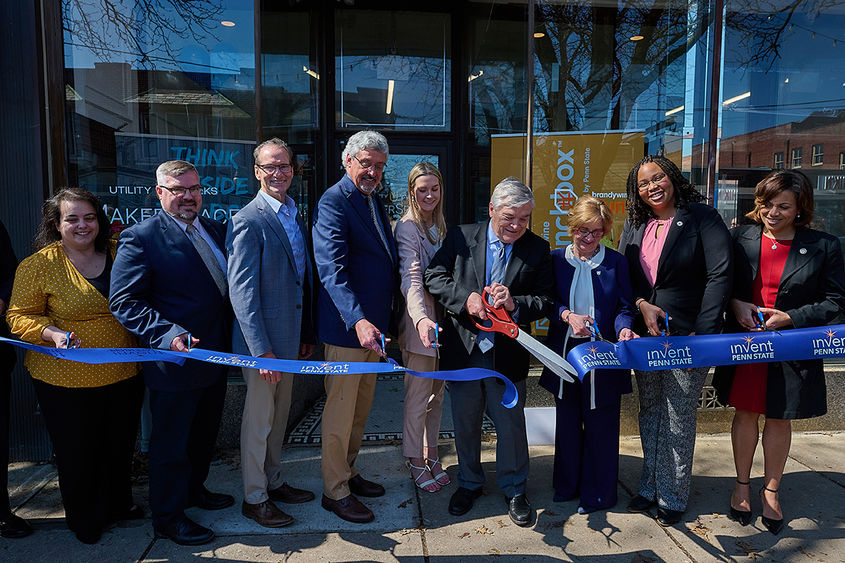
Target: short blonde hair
588, 209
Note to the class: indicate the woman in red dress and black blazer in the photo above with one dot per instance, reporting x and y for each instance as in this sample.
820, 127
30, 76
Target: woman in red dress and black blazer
794, 276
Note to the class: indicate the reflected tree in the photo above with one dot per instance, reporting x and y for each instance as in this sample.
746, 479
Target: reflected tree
139, 31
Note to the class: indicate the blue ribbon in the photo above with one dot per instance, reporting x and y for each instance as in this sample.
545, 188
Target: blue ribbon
122, 355
656, 353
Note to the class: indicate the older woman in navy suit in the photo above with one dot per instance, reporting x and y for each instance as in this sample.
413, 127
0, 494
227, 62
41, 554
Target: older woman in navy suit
592, 298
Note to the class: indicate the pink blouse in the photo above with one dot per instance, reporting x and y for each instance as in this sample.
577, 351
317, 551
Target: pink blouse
652, 246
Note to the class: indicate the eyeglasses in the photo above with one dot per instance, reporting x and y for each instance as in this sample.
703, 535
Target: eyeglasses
378, 167
179, 191
273, 168
656, 179
584, 233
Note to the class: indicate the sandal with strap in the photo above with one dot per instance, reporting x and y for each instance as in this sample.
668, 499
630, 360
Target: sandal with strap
741, 516
427, 483
442, 477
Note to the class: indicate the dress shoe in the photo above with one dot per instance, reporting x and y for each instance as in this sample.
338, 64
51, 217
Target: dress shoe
667, 517
212, 501
640, 504
89, 537
462, 500
741, 516
519, 509
14, 527
744, 517
363, 488
774, 526
185, 532
290, 495
349, 508
266, 514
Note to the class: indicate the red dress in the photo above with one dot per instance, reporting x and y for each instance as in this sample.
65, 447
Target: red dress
748, 391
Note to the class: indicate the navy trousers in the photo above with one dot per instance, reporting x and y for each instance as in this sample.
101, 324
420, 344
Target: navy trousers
185, 426
586, 450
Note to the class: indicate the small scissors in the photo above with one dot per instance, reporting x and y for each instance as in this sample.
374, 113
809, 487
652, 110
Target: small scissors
595, 331
761, 324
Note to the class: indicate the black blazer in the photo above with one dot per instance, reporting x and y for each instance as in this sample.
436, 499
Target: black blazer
812, 292
458, 269
693, 281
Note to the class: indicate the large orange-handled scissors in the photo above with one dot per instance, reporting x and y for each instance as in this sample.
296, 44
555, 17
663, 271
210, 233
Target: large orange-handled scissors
501, 321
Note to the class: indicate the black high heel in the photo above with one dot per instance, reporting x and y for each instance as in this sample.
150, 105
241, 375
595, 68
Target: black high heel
774, 526
741, 516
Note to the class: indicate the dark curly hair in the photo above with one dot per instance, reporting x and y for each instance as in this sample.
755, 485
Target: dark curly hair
48, 231
685, 193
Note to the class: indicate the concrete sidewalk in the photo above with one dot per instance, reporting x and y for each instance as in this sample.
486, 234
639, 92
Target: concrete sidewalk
412, 525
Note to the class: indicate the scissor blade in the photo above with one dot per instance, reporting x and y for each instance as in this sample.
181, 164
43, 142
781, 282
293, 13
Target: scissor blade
545, 354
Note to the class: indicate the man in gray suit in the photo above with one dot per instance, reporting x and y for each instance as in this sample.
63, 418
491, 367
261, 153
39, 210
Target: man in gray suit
270, 286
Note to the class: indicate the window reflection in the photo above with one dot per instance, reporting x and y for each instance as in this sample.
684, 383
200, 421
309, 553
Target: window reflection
393, 70
171, 80
787, 57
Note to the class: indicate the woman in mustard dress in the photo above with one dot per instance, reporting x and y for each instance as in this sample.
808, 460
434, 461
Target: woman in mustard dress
60, 299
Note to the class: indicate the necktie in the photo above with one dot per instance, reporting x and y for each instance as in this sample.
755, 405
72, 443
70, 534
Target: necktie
497, 274
372, 205
208, 258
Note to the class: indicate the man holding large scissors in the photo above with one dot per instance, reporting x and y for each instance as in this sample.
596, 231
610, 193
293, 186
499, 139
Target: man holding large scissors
514, 267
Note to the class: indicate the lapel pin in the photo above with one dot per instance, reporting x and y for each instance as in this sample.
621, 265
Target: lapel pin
680, 223
803, 251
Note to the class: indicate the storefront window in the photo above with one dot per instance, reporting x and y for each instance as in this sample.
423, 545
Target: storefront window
174, 80
783, 95
393, 70
290, 77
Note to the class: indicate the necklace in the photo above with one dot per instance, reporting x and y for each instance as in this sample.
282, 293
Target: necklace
773, 239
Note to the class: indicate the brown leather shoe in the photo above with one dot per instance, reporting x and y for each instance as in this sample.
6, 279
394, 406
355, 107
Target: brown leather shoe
363, 488
266, 513
290, 495
349, 508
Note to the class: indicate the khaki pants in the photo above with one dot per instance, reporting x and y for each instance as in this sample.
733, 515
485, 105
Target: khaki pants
423, 406
348, 401
263, 427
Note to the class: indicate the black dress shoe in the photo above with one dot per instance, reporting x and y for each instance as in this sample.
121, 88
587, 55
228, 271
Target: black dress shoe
742, 516
774, 526
462, 500
89, 537
519, 509
212, 501
667, 517
349, 508
185, 532
640, 504
363, 488
14, 527
290, 495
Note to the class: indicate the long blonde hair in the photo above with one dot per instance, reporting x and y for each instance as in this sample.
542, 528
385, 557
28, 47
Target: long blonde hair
413, 212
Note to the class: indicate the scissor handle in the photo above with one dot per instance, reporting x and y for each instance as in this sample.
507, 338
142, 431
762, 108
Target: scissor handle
500, 320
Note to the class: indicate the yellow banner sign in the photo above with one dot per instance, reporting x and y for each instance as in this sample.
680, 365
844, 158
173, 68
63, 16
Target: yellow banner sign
567, 166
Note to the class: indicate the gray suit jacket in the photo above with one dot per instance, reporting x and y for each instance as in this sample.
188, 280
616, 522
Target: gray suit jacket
273, 311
